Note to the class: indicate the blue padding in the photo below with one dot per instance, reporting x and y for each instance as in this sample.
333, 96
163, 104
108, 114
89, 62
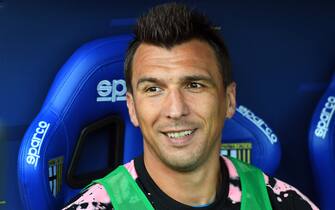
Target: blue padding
72, 103
89, 87
246, 127
322, 149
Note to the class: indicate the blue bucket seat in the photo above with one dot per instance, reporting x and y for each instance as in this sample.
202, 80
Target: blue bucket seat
83, 129
322, 147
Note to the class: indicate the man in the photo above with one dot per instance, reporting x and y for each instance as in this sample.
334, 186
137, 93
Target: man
180, 91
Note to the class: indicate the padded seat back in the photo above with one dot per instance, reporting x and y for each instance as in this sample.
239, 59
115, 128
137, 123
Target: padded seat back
322, 147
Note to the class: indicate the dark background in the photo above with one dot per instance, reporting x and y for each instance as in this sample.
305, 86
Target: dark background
283, 55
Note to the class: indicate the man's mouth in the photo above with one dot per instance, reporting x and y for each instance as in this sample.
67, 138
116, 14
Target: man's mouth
179, 134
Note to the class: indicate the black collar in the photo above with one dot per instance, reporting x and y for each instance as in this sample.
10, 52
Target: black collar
160, 200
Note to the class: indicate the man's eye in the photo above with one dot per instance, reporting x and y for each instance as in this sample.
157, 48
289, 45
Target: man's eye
152, 89
194, 85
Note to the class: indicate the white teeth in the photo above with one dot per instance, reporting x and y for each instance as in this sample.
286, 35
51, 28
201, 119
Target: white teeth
179, 134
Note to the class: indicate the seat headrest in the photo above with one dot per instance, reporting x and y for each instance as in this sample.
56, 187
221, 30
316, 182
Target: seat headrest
252, 140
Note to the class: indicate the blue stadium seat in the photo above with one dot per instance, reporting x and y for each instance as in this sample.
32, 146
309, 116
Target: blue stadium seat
322, 147
83, 129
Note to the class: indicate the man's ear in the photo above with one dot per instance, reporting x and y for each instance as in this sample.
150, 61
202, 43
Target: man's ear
131, 109
231, 99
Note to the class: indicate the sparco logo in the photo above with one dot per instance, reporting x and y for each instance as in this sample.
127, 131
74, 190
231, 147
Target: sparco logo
36, 143
259, 123
111, 91
325, 117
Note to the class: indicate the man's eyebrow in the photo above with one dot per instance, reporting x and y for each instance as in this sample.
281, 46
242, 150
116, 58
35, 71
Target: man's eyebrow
184, 79
198, 78
146, 79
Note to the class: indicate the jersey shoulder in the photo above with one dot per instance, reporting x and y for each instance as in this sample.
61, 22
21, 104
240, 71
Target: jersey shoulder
285, 196
96, 196
282, 195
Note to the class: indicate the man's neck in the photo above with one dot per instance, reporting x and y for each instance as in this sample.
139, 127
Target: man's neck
193, 188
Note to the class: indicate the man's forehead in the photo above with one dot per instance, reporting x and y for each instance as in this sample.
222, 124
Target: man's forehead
195, 47
192, 54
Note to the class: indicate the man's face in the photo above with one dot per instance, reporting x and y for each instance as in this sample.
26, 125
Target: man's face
180, 103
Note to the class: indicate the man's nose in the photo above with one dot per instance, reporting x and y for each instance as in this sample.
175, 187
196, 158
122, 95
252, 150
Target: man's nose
176, 105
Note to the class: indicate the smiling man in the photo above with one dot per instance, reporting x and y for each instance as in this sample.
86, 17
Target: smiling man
180, 91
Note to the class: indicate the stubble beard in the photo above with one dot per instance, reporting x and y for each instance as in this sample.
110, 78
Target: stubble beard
183, 161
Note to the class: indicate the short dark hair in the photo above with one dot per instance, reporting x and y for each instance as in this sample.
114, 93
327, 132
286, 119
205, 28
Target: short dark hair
171, 24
